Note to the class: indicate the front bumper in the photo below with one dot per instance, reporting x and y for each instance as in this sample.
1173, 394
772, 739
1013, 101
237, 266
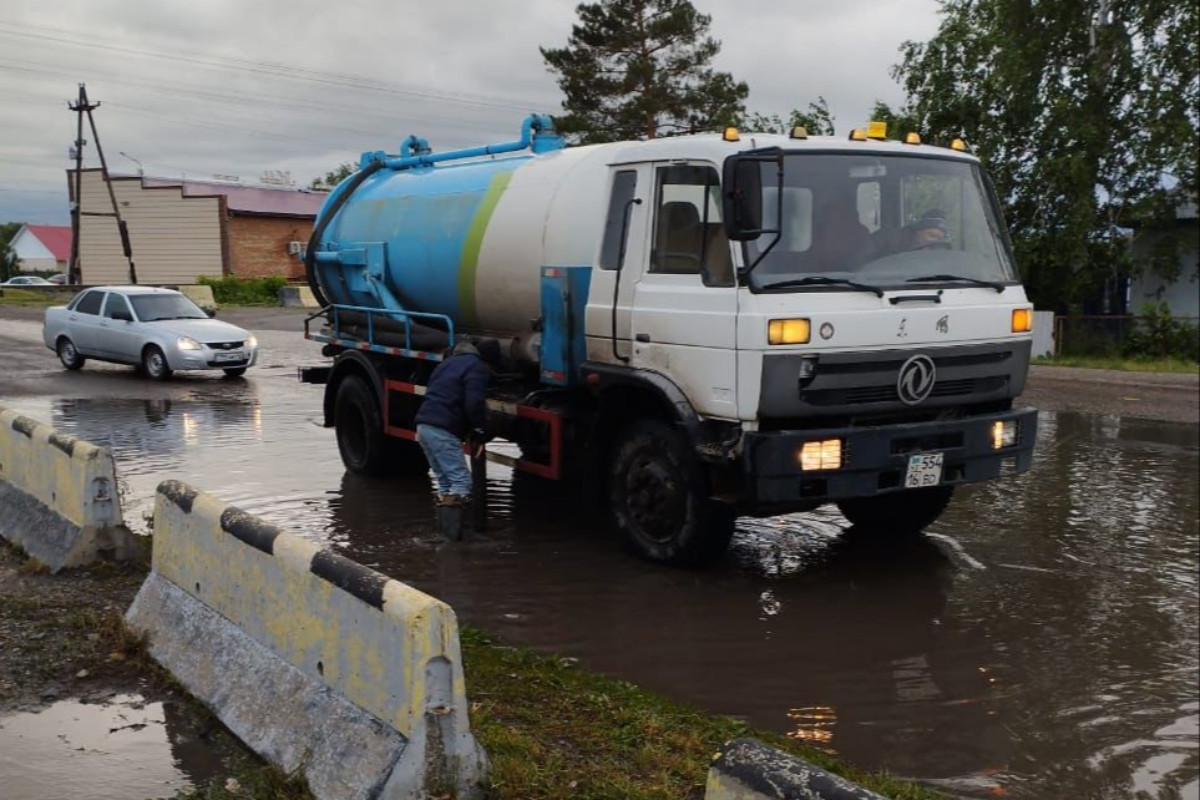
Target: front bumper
875, 459
207, 358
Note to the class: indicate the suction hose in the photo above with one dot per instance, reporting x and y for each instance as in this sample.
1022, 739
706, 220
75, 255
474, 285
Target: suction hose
341, 195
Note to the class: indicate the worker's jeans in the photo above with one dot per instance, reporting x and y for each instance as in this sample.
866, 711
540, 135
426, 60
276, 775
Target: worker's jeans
445, 453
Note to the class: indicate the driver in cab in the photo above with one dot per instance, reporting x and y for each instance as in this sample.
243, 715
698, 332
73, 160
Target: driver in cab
928, 231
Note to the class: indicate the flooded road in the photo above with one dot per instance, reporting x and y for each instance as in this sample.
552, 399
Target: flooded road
1040, 642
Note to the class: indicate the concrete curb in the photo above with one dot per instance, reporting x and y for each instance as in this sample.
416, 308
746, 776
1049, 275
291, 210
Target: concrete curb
317, 663
746, 769
58, 496
1158, 380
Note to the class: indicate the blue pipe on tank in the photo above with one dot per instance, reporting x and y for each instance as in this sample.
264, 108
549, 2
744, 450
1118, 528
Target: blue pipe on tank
537, 133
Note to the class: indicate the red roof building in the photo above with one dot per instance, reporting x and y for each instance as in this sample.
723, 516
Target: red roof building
42, 248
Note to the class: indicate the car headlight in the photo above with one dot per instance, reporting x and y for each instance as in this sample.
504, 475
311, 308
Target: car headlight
187, 343
252, 341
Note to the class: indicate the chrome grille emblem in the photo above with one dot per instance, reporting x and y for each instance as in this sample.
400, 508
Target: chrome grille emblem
916, 379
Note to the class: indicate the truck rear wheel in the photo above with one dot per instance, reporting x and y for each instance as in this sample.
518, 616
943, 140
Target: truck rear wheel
909, 511
660, 500
364, 447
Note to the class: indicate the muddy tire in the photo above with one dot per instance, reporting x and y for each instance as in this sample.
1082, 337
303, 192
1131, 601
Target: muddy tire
235, 372
660, 500
154, 364
362, 444
68, 355
356, 419
909, 511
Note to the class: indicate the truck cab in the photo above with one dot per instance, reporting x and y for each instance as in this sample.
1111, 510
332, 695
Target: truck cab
844, 317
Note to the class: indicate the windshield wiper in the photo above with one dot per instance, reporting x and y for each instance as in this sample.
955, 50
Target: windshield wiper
817, 280
999, 287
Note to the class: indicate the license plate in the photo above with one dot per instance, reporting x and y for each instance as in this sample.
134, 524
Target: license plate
924, 469
230, 357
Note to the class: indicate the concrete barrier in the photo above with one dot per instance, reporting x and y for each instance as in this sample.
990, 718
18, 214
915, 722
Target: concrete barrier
58, 496
314, 661
297, 296
200, 294
746, 769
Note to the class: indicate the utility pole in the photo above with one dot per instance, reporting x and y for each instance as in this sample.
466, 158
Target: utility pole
84, 107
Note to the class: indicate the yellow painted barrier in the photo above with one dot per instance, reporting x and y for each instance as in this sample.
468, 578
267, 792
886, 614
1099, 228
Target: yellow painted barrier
58, 495
316, 662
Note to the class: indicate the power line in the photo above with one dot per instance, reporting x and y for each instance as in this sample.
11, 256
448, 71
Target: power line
292, 72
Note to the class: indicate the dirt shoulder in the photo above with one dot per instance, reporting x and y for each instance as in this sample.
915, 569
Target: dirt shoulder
1161, 396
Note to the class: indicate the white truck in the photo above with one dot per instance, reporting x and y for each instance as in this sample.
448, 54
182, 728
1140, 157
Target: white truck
707, 326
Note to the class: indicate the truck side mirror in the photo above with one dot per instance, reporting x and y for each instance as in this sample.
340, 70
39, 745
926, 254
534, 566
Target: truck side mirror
743, 197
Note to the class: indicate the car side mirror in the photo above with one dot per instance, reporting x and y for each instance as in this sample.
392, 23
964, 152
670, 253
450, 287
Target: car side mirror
743, 198
211, 312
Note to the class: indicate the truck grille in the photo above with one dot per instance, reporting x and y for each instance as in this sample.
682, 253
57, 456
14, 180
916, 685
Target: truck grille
851, 383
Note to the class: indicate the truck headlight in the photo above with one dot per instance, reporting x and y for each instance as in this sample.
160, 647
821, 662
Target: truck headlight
187, 343
1022, 320
825, 454
788, 331
1004, 434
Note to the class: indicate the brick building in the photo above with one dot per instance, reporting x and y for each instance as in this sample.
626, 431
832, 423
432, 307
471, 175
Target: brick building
181, 230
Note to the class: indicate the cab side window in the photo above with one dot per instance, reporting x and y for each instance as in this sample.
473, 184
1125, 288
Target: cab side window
615, 227
90, 303
116, 303
689, 238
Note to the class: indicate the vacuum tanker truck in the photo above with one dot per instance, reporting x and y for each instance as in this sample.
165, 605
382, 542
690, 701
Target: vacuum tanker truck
702, 326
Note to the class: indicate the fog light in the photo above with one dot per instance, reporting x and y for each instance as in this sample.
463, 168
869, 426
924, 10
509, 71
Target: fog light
826, 454
1004, 434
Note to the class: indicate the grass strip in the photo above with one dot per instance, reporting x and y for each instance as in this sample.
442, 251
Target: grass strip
555, 731
1174, 365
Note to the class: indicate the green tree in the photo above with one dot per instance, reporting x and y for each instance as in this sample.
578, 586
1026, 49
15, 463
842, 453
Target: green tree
8, 257
817, 120
332, 179
1086, 113
635, 68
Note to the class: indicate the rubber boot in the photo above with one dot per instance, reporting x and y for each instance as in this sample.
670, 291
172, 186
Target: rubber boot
451, 512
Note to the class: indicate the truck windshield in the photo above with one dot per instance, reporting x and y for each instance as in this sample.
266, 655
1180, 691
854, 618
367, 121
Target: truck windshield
879, 221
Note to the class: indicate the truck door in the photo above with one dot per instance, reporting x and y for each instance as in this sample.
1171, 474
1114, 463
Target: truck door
620, 263
684, 320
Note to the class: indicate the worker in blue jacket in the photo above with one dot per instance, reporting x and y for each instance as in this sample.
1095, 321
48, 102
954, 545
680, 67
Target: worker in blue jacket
454, 411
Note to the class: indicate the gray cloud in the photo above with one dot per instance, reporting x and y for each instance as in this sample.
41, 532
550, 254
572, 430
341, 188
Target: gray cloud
235, 87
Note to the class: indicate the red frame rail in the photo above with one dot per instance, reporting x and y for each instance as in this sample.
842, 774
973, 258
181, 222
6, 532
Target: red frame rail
552, 471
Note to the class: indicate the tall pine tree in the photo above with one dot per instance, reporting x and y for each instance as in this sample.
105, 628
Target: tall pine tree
641, 68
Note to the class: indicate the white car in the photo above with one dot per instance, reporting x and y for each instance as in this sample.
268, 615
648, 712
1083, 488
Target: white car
26, 280
158, 330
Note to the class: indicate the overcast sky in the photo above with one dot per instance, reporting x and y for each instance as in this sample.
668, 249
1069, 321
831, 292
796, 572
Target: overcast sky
240, 87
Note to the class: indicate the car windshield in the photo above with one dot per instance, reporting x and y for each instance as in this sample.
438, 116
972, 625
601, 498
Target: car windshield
879, 221
154, 307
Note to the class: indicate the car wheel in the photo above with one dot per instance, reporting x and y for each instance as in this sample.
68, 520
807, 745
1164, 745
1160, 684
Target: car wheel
235, 372
68, 355
154, 363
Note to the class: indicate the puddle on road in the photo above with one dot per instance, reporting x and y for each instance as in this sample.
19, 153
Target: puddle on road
1043, 642
121, 749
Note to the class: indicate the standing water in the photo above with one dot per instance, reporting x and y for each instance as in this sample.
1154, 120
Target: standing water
1041, 640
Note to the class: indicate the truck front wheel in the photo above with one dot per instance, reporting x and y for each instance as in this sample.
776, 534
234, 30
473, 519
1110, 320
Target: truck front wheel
660, 501
364, 447
909, 511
